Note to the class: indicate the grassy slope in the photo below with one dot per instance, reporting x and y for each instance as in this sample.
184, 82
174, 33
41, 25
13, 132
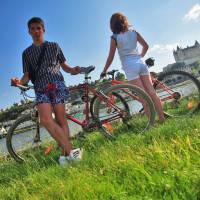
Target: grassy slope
163, 163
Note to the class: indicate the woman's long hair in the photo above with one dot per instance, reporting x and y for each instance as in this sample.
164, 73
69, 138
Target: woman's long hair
119, 23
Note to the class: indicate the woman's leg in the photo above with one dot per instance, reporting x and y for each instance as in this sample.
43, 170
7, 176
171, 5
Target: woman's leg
45, 113
147, 84
138, 83
59, 110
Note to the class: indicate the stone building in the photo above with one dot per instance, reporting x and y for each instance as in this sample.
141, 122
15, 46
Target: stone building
187, 55
180, 66
185, 58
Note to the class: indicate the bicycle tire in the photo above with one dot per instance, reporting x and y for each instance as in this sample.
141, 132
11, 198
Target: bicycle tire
186, 92
133, 89
19, 133
92, 103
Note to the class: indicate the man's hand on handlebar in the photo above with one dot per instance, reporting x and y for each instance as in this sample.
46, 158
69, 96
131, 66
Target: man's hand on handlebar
15, 81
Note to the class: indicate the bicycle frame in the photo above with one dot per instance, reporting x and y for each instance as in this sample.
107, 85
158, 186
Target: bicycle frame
165, 88
86, 123
155, 82
116, 82
89, 89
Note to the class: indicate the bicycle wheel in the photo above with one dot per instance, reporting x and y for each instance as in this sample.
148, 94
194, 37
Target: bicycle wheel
24, 136
179, 92
116, 96
111, 118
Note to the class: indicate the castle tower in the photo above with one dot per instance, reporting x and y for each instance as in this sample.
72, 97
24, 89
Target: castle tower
187, 55
196, 43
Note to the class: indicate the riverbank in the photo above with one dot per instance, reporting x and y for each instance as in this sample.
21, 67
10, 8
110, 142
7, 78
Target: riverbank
163, 163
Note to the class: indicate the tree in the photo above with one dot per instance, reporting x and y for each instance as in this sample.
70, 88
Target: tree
15, 104
22, 102
194, 72
120, 76
197, 64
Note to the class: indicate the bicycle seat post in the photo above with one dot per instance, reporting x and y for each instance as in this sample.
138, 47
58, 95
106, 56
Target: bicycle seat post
87, 78
86, 71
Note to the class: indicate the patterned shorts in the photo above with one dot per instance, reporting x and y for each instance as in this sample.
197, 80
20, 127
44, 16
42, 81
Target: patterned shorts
53, 93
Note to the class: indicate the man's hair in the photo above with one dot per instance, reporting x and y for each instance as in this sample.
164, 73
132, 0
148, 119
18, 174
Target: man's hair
118, 23
35, 20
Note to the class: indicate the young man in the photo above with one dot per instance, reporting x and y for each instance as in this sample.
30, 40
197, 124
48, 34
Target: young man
49, 86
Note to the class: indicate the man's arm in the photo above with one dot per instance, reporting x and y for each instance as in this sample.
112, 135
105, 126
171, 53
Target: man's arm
68, 69
25, 78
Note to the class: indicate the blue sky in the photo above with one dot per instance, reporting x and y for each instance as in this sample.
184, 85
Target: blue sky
82, 30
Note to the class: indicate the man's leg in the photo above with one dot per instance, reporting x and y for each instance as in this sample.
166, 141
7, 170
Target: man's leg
45, 113
59, 110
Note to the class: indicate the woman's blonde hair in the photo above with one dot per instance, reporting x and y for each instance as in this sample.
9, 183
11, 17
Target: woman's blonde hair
119, 23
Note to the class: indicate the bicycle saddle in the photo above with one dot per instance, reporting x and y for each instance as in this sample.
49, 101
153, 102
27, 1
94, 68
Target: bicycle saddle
87, 70
149, 62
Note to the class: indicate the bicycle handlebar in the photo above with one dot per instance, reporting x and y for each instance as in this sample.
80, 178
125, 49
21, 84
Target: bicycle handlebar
23, 87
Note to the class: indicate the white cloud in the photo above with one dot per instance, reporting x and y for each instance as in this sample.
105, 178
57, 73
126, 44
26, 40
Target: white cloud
193, 14
163, 48
163, 55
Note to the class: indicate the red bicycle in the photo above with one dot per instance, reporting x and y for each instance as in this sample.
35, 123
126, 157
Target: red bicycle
179, 91
27, 132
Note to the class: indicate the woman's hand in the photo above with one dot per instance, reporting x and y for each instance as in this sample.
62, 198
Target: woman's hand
102, 75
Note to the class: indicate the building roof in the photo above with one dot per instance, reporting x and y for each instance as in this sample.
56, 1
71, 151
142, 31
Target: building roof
196, 44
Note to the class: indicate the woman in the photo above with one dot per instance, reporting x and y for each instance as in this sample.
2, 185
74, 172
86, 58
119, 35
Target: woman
125, 40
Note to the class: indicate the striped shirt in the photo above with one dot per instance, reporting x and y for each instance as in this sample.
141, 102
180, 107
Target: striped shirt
49, 70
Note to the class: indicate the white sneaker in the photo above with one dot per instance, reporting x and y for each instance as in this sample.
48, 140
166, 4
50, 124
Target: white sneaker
75, 155
63, 161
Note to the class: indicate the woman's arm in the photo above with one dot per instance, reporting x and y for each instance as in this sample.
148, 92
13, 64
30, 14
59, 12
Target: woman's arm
144, 44
111, 54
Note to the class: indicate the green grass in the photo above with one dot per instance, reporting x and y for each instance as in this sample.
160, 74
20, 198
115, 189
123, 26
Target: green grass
163, 163
182, 106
